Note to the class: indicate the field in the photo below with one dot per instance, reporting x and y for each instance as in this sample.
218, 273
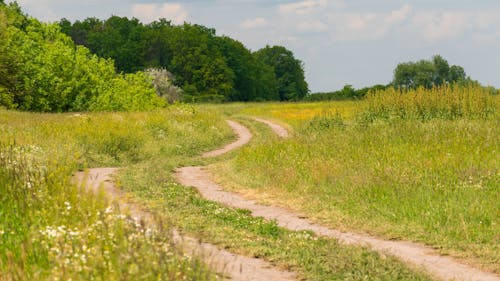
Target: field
430, 176
52, 230
432, 180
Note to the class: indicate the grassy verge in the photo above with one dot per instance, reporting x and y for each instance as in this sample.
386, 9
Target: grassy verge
434, 181
70, 234
313, 258
50, 229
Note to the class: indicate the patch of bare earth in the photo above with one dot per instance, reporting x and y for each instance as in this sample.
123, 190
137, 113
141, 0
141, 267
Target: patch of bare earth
441, 267
231, 266
244, 137
277, 129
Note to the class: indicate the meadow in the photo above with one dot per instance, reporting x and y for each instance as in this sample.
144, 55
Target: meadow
421, 166
53, 229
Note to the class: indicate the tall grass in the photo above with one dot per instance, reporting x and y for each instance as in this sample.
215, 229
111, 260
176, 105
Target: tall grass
444, 102
427, 171
51, 229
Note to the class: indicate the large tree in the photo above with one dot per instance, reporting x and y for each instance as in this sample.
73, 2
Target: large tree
288, 70
254, 80
427, 73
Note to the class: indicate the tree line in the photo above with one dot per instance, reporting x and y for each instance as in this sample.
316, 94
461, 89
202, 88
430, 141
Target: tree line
427, 74
206, 66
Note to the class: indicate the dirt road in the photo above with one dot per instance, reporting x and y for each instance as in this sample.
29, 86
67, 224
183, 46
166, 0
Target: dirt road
232, 266
442, 267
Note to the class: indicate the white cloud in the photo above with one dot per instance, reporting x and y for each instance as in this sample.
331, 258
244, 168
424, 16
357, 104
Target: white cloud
312, 26
398, 16
367, 25
302, 8
254, 23
151, 12
435, 26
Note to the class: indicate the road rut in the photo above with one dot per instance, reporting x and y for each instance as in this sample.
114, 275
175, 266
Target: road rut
442, 267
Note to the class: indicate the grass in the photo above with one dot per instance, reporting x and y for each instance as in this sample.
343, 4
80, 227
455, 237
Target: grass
62, 232
312, 257
50, 229
433, 180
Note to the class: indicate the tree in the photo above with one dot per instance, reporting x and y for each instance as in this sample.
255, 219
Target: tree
289, 72
427, 73
254, 81
206, 66
41, 69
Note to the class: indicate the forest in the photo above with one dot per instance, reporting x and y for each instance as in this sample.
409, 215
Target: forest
122, 64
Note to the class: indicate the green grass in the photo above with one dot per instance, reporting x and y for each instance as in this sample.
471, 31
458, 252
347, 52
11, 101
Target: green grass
61, 232
435, 181
313, 258
50, 229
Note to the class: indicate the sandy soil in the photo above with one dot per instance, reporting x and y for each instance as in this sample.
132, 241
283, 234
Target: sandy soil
442, 267
244, 137
277, 129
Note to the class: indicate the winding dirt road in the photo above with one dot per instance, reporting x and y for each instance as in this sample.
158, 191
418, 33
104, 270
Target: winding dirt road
441, 267
244, 136
233, 267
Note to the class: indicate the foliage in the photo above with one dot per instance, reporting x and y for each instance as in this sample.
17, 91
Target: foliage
347, 93
444, 102
427, 74
127, 92
206, 66
45, 71
254, 80
163, 84
289, 72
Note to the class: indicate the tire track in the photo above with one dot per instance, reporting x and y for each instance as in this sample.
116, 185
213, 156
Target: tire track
441, 267
233, 267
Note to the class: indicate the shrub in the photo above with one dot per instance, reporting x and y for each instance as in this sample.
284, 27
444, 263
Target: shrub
163, 84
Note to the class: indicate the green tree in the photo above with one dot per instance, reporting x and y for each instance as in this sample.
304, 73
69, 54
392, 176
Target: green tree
427, 73
288, 70
43, 70
206, 66
253, 79
197, 62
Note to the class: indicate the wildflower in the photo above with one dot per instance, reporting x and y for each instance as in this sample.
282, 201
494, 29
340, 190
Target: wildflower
108, 210
68, 205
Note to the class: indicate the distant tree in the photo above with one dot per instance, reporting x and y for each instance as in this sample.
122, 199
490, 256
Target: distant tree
197, 61
253, 79
288, 70
206, 66
425, 73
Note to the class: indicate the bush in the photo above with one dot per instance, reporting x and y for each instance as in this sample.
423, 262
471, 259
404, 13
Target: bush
163, 84
42, 70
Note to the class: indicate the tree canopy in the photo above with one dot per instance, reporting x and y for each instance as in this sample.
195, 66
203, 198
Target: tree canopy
427, 74
206, 66
41, 69
289, 72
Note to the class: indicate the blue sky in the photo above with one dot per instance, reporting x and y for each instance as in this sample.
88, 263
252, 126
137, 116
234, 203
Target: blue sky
357, 42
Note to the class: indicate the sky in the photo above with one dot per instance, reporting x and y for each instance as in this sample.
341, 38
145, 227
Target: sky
355, 42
